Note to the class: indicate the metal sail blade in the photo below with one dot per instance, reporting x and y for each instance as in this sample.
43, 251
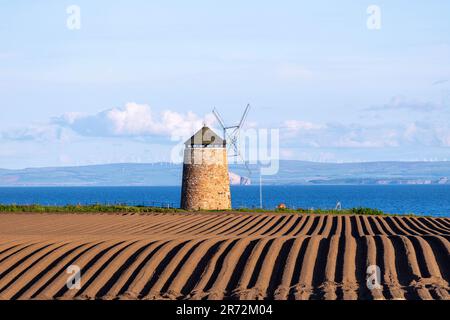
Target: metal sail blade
231, 134
219, 118
244, 116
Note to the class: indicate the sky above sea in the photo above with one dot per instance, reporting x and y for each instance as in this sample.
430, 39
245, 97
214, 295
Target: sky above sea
134, 78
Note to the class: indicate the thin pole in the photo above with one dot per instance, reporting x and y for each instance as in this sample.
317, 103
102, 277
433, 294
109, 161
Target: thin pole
260, 191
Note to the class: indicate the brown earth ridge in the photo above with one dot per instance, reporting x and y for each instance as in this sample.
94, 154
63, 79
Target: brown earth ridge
223, 256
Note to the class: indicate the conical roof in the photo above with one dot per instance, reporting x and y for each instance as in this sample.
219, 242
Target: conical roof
205, 137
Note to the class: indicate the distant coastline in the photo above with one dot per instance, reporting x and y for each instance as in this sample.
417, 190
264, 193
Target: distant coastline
290, 173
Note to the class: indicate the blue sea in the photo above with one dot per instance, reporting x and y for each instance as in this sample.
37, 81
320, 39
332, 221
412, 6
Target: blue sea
420, 199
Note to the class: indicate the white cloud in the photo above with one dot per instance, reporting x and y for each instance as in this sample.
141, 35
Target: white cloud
297, 125
402, 103
443, 136
335, 135
71, 117
135, 120
439, 82
36, 133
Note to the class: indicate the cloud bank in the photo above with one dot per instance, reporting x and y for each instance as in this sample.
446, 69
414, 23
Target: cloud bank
336, 135
138, 132
134, 120
401, 103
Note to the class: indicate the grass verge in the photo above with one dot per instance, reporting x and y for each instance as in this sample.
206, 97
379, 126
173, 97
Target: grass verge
114, 209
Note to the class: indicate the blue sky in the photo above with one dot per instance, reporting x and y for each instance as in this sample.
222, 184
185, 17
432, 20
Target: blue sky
139, 72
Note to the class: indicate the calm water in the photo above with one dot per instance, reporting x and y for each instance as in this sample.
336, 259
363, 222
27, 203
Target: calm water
421, 199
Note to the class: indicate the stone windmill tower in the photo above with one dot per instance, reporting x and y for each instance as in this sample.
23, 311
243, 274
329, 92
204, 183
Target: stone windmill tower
206, 184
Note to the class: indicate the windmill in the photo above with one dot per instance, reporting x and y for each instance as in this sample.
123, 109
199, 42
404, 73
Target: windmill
231, 134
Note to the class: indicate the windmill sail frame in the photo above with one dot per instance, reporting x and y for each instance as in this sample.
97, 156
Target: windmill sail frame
231, 134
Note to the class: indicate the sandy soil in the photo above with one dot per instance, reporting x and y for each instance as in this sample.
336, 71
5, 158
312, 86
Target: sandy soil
223, 256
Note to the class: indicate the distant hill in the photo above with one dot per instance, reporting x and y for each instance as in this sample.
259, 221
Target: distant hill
291, 172
303, 172
158, 174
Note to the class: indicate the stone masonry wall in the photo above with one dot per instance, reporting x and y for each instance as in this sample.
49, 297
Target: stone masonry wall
206, 184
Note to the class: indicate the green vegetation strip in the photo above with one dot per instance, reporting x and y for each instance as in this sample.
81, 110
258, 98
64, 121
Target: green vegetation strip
98, 208
359, 211
86, 209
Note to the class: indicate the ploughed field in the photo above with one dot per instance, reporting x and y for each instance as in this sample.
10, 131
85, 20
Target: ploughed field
223, 256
